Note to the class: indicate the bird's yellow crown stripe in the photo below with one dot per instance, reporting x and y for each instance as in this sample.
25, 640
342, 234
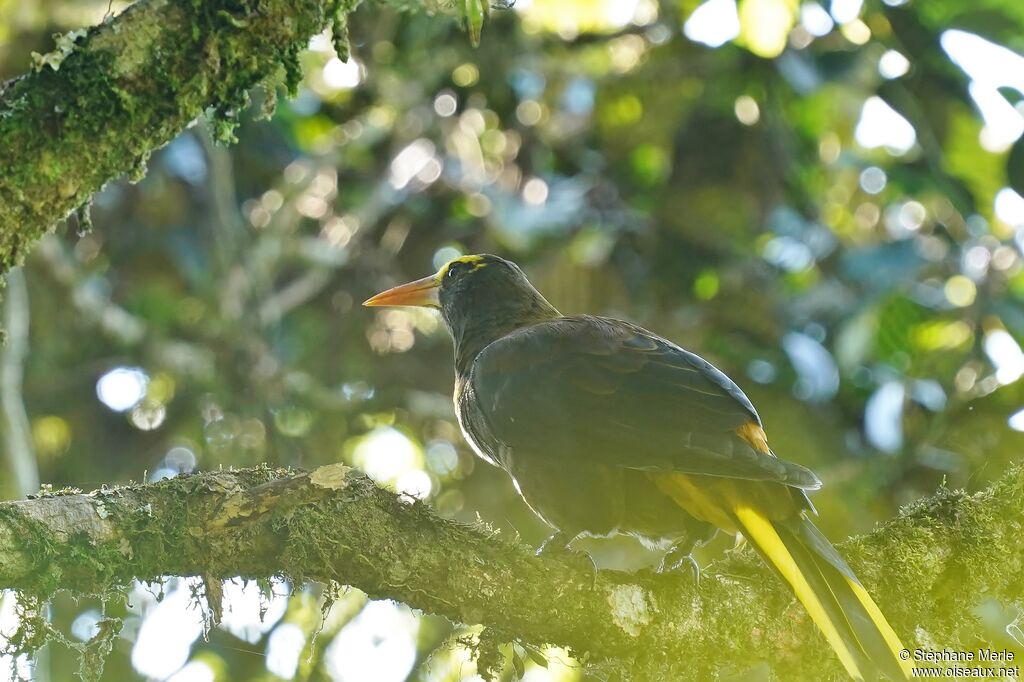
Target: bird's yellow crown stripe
478, 260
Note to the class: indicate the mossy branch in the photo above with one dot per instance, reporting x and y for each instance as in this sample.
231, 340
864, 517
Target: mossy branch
928, 568
96, 107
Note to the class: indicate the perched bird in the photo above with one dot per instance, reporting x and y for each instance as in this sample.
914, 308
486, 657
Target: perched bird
607, 428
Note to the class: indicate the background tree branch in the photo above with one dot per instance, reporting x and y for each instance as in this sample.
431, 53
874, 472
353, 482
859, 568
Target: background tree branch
928, 568
106, 97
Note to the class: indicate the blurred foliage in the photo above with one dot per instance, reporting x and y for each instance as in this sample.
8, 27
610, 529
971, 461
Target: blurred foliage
826, 207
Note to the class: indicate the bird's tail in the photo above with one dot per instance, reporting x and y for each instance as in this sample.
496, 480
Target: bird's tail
836, 601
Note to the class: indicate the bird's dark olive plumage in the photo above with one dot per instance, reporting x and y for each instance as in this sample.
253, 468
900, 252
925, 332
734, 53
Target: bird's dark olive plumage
571, 398
606, 427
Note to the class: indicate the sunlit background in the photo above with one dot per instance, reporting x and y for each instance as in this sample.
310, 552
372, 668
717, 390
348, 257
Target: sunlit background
823, 199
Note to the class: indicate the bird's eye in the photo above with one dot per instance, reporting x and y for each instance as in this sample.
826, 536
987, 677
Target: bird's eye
454, 269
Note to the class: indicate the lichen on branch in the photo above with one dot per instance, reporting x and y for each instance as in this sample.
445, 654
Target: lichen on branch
928, 568
105, 98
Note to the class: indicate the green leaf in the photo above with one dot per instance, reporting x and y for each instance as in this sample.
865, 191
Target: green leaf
475, 10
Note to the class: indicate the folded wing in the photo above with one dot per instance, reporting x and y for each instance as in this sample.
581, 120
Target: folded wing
609, 392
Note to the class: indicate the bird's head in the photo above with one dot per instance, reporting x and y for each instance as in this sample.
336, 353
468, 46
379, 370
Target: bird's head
481, 298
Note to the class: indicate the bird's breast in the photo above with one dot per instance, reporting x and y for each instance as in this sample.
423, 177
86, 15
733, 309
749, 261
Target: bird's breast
470, 422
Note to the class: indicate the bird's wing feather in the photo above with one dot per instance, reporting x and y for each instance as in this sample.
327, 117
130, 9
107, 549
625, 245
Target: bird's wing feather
608, 392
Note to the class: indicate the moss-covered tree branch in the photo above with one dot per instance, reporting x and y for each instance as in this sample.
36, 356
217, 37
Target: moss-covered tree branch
928, 568
94, 108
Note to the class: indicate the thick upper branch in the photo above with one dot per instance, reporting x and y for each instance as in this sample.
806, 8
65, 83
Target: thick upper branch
94, 108
927, 568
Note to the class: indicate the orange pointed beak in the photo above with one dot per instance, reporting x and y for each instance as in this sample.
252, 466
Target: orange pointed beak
421, 293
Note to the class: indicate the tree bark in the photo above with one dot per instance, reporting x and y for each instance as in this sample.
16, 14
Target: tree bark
96, 107
928, 568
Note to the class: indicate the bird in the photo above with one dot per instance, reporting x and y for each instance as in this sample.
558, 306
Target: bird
605, 428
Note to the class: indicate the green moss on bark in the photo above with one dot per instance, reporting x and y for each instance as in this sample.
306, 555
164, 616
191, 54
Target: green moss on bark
96, 109
928, 568
97, 106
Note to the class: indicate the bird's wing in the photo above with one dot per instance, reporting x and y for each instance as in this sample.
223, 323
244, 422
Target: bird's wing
608, 392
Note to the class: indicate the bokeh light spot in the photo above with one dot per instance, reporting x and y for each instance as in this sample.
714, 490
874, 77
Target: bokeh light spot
1016, 420
892, 64
122, 388
385, 454
1005, 354
51, 436
960, 291
166, 635
283, 650
815, 20
194, 671
249, 613
746, 110
873, 179
714, 23
445, 104
765, 25
535, 191
378, 644
146, 416
465, 75
882, 126
340, 75
705, 286
844, 11
415, 483
883, 417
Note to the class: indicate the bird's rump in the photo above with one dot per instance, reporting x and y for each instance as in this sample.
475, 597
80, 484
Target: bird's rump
606, 392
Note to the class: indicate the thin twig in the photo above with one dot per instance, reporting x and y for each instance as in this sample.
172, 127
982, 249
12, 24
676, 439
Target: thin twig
21, 456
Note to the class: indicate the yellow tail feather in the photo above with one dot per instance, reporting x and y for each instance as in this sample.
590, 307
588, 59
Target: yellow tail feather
838, 604
760, 530
891, 638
